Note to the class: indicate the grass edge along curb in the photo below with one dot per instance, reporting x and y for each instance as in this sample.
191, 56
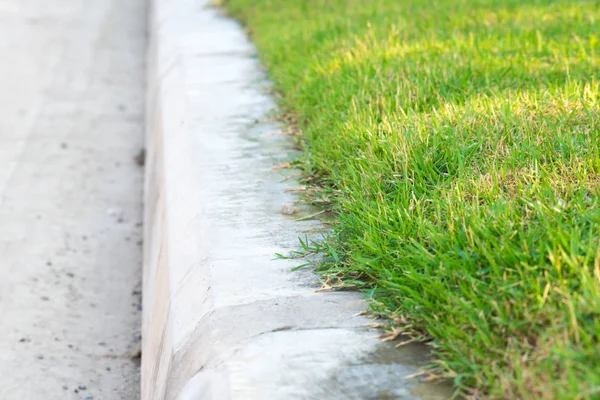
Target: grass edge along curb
459, 144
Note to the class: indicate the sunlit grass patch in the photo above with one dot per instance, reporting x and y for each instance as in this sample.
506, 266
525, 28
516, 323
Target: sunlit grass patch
459, 145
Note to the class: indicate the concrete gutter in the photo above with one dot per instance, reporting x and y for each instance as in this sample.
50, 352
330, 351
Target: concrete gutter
223, 319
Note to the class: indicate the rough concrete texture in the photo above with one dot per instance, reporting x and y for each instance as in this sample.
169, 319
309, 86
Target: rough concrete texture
222, 318
71, 123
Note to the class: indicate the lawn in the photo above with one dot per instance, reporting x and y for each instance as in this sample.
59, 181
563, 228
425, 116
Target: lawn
458, 144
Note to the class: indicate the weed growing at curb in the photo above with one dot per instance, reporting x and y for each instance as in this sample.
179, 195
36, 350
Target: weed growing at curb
458, 142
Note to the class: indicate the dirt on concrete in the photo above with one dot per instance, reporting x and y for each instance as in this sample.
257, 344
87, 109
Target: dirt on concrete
71, 126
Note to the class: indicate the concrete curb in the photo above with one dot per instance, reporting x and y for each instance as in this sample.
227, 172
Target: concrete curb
222, 319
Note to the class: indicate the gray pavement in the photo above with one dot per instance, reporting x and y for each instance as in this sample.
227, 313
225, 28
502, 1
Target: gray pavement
71, 112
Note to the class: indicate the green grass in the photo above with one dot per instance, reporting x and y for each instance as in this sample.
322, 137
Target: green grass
458, 143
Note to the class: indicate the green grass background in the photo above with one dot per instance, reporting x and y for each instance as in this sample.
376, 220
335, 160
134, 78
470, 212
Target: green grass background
458, 143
